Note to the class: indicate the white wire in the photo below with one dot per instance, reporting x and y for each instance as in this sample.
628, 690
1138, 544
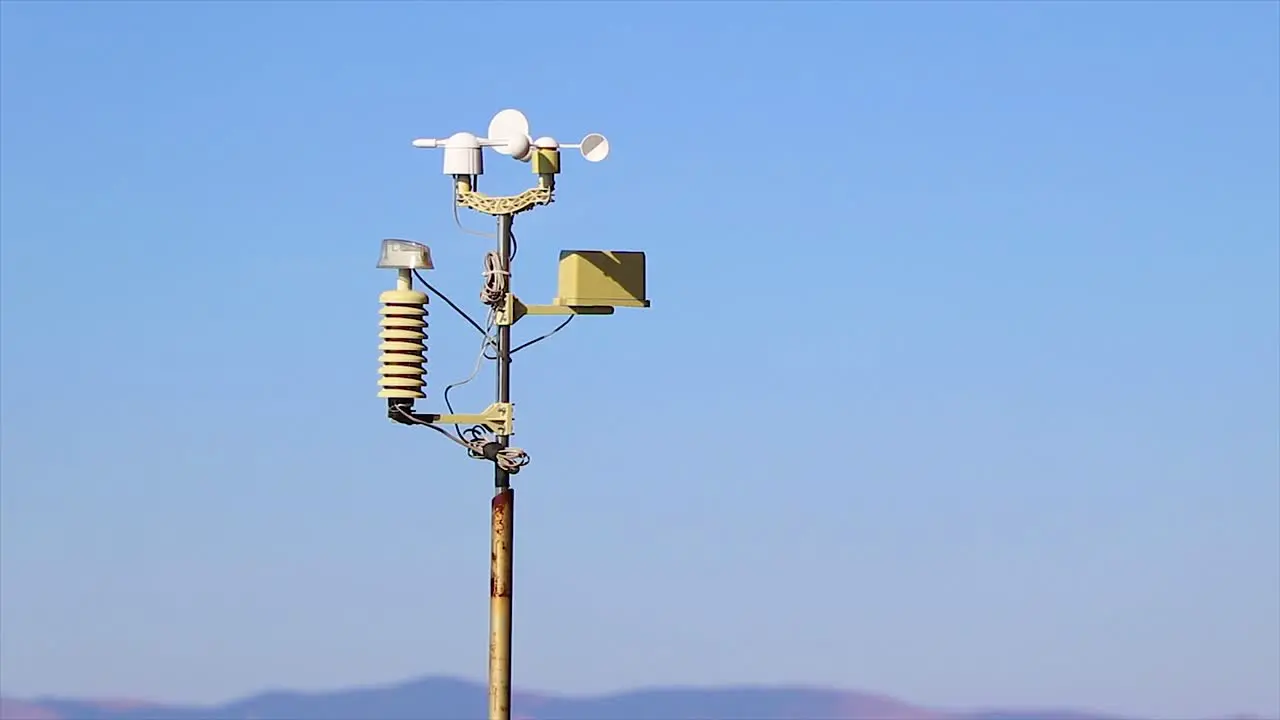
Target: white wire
484, 345
497, 280
510, 459
458, 221
496, 277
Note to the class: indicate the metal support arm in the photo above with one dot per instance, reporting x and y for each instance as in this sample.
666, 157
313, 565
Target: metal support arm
498, 418
464, 196
511, 310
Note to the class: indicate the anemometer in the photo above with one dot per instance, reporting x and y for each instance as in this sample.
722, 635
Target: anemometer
508, 134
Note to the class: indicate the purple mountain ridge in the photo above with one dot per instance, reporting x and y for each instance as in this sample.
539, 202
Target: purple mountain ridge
444, 698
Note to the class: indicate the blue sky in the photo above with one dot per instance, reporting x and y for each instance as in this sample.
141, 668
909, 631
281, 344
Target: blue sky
960, 381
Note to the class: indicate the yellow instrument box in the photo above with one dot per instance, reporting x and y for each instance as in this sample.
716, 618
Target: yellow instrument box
612, 278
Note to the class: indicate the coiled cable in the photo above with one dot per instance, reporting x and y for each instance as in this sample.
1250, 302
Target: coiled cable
497, 280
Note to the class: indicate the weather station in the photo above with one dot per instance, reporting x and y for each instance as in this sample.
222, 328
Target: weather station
590, 282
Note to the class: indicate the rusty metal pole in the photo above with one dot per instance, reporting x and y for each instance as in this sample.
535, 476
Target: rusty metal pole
501, 525
500, 607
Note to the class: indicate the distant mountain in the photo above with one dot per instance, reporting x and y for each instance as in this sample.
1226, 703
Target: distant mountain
443, 698
16, 710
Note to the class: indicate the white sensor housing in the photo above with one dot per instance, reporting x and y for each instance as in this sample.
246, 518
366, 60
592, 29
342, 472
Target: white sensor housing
400, 254
462, 155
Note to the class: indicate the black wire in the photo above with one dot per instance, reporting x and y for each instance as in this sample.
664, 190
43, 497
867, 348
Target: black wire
540, 338
451, 304
515, 247
449, 405
461, 439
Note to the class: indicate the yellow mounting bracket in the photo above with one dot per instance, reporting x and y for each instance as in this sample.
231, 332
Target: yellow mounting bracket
498, 418
512, 310
481, 203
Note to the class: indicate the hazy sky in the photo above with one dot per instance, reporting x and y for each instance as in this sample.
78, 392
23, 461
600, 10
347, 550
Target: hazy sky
960, 381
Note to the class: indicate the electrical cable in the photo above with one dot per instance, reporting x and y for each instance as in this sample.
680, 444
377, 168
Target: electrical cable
488, 340
497, 280
451, 303
508, 459
540, 338
515, 247
458, 221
